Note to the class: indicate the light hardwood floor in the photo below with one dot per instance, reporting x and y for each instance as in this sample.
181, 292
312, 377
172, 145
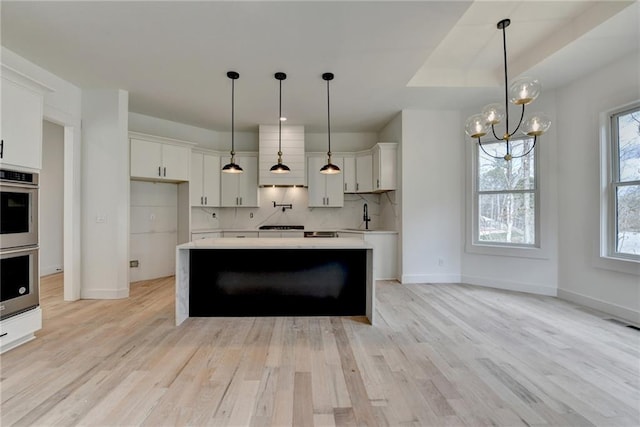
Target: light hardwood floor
440, 355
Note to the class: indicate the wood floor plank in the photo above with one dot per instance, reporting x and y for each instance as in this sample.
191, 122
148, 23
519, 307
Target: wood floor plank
439, 355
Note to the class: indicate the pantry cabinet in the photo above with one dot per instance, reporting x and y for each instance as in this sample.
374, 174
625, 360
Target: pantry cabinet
240, 189
21, 140
204, 186
325, 191
159, 161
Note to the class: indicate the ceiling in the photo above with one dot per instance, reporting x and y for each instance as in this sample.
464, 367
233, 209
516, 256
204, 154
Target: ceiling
172, 56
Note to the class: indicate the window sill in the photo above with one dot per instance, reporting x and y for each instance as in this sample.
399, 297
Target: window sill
507, 251
621, 265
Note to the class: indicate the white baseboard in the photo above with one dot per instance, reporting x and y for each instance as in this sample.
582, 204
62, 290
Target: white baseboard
615, 310
430, 278
52, 269
104, 293
510, 286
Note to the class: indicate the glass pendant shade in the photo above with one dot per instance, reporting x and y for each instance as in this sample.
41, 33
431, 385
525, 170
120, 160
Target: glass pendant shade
536, 125
493, 113
524, 90
476, 126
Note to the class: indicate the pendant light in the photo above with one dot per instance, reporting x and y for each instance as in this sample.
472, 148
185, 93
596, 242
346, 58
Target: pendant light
329, 168
232, 167
280, 167
522, 91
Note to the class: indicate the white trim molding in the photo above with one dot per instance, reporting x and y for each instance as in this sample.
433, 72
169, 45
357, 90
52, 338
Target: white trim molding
430, 278
604, 306
510, 286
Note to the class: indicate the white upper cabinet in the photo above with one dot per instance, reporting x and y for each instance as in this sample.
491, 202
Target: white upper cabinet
21, 113
240, 189
325, 191
292, 142
349, 173
385, 155
152, 159
364, 172
204, 186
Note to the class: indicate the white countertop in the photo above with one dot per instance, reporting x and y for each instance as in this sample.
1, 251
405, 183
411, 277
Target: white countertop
244, 230
277, 243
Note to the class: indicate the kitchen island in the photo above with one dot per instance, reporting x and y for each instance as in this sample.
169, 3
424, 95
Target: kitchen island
274, 277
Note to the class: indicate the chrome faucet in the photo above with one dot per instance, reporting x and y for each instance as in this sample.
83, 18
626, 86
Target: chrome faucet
365, 217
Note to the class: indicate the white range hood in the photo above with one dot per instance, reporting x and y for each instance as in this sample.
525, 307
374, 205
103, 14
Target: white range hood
292, 155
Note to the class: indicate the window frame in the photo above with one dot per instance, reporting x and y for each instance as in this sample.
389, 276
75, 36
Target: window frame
613, 182
475, 220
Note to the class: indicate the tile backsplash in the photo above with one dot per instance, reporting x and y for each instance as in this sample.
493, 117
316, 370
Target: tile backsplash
382, 211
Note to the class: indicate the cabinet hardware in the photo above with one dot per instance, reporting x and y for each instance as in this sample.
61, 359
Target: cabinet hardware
240, 201
159, 170
2, 149
165, 171
377, 183
237, 201
4, 335
201, 200
345, 186
205, 200
357, 186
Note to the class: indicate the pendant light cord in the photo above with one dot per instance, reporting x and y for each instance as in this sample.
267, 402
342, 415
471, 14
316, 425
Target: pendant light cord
506, 87
233, 97
328, 119
280, 126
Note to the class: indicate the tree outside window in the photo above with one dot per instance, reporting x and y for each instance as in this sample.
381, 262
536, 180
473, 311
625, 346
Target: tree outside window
625, 194
506, 195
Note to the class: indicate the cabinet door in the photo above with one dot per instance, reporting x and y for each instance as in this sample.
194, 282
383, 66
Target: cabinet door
211, 180
175, 162
384, 166
229, 183
364, 172
316, 181
248, 181
196, 192
349, 172
146, 159
21, 126
335, 187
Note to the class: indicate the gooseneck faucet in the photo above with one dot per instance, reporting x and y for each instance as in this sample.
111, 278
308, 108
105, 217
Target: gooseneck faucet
365, 217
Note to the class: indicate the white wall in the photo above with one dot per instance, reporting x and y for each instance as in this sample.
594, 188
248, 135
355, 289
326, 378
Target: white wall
154, 229
105, 194
431, 204
583, 276
51, 199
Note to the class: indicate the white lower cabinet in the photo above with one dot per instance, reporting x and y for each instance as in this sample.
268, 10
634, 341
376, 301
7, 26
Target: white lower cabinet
239, 234
385, 250
325, 191
198, 235
19, 329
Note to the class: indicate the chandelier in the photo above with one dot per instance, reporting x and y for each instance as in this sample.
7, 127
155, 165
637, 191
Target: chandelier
522, 91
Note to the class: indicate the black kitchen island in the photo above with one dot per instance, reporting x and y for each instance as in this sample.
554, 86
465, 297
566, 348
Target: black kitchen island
274, 277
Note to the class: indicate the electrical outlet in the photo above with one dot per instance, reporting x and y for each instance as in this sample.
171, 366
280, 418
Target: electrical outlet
250, 214
134, 263
213, 215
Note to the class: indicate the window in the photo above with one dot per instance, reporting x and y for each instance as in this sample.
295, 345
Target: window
624, 190
506, 195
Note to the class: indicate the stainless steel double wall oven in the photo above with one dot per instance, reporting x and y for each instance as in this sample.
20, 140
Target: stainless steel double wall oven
19, 268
